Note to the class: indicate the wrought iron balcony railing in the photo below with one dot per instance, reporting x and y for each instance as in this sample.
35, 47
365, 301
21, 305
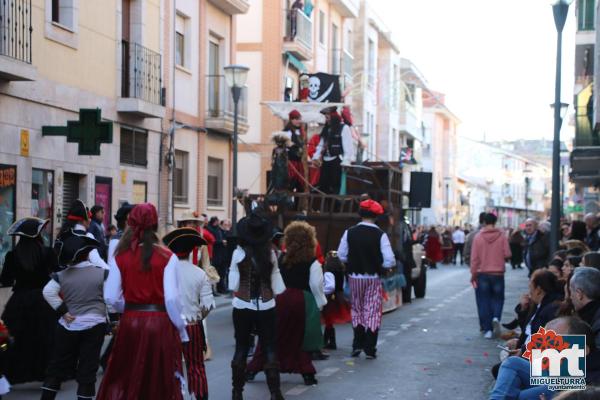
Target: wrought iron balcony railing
16, 29
141, 73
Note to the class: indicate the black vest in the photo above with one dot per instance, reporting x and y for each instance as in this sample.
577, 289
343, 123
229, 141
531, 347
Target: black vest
333, 140
295, 150
364, 250
296, 276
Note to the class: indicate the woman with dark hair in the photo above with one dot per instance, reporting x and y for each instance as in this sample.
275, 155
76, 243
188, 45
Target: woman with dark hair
516, 243
295, 133
578, 231
433, 248
146, 357
255, 279
28, 317
298, 318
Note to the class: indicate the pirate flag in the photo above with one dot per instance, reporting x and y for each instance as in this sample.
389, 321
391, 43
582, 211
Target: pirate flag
322, 88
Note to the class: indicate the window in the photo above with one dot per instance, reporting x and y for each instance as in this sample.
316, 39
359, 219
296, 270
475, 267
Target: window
180, 177
321, 27
140, 192
348, 42
395, 88
586, 15
180, 58
63, 12
42, 199
214, 192
215, 80
134, 147
371, 65
336, 55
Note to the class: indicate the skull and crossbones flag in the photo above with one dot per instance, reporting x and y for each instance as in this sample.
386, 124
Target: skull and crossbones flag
322, 88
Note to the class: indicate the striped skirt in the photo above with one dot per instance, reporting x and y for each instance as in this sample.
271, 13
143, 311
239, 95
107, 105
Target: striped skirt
367, 302
193, 353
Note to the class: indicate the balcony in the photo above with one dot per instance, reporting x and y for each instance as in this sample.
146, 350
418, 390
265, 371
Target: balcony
347, 8
15, 41
232, 7
219, 111
141, 82
298, 39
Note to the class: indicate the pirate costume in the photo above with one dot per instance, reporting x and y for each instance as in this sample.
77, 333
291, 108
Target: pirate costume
337, 309
146, 358
295, 152
77, 296
27, 315
197, 300
298, 325
255, 279
336, 149
366, 249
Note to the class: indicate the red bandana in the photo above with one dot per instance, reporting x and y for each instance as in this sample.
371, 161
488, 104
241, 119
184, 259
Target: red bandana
141, 218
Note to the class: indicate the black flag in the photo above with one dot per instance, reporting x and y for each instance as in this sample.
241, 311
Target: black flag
323, 88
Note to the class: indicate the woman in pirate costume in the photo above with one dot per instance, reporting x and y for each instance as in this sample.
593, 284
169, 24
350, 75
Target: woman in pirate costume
146, 358
197, 300
255, 279
295, 133
27, 316
298, 317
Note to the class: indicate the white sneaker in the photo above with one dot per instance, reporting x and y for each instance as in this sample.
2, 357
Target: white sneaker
496, 327
488, 335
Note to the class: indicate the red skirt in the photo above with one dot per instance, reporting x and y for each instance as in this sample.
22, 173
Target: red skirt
289, 336
296, 171
145, 359
336, 311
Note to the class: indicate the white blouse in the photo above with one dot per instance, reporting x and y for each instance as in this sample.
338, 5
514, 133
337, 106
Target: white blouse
316, 284
195, 291
277, 284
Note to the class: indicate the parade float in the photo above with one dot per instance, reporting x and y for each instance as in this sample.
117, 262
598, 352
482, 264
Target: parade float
332, 214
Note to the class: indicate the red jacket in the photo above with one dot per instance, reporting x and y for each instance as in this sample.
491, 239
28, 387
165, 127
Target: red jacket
433, 248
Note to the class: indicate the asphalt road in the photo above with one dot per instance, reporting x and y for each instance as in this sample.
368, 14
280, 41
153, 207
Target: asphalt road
429, 349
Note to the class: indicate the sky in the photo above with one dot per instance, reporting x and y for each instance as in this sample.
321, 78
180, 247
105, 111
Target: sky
494, 61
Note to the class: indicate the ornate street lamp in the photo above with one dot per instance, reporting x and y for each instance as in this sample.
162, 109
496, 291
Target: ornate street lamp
236, 76
560, 10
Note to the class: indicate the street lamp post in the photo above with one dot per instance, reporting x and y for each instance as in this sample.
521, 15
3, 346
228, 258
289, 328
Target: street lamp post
447, 179
236, 76
527, 183
560, 10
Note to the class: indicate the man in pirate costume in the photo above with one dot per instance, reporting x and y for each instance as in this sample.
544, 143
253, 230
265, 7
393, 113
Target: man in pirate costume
77, 295
366, 249
197, 300
335, 148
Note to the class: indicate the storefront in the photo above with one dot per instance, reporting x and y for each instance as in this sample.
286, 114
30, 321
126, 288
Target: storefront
103, 197
42, 200
8, 193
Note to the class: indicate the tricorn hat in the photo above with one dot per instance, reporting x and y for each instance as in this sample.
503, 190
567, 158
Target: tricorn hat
254, 229
329, 110
182, 241
78, 212
30, 227
71, 245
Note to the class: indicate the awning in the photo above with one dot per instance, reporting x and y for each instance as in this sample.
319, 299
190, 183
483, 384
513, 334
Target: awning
295, 62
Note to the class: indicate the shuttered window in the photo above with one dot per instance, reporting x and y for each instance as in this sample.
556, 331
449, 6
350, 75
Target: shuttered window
134, 146
214, 190
180, 177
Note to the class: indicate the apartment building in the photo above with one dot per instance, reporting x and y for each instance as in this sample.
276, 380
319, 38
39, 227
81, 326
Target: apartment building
317, 38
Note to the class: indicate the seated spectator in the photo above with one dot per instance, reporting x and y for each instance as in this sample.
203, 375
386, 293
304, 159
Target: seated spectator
576, 244
514, 380
585, 295
560, 254
590, 393
536, 308
555, 267
591, 259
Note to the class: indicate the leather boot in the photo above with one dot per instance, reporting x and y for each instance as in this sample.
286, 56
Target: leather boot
371, 343
358, 343
48, 394
272, 373
329, 336
238, 379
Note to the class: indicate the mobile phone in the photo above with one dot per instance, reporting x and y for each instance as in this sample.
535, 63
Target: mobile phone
503, 348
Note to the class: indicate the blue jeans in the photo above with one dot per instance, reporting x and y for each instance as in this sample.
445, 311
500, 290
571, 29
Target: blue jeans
490, 299
513, 382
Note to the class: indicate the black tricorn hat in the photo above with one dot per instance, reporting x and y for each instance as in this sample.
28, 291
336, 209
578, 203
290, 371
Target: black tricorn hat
254, 229
30, 227
71, 245
124, 211
78, 211
328, 110
183, 240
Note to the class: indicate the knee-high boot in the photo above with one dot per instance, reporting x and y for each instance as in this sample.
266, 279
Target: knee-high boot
329, 336
238, 378
358, 344
273, 381
48, 394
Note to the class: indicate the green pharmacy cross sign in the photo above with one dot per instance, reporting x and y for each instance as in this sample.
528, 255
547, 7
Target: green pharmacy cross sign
89, 132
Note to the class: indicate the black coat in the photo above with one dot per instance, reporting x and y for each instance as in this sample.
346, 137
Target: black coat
593, 239
546, 313
592, 366
538, 251
590, 313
